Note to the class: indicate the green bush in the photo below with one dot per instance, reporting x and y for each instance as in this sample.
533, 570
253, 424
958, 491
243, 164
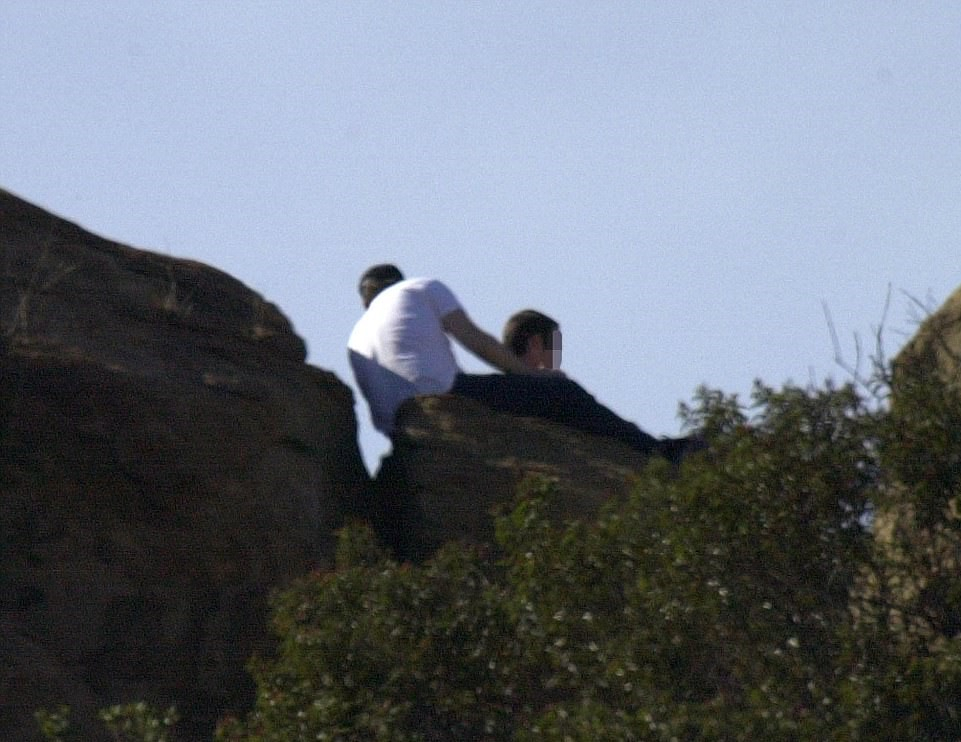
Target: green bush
129, 722
138, 722
739, 598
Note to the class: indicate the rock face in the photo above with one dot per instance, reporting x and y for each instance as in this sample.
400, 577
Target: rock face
454, 461
166, 459
936, 346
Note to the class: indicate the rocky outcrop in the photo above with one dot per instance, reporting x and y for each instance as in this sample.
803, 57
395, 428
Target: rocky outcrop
166, 459
936, 346
454, 462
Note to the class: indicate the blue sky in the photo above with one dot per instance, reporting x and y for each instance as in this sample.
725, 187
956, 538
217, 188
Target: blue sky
683, 185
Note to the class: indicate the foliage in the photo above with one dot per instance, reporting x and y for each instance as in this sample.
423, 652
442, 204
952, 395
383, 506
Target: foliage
54, 725
138, 722
130, 722
745, 596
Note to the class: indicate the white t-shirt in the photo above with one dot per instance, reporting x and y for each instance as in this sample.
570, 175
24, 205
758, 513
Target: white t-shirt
398, 348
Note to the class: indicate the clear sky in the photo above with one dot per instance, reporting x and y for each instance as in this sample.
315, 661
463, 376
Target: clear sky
683, 185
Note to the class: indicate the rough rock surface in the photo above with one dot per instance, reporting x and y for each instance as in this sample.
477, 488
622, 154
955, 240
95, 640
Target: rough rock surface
166, 459
937, 343
454, 462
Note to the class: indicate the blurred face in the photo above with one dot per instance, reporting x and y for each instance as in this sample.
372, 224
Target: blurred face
541, 355
555, 350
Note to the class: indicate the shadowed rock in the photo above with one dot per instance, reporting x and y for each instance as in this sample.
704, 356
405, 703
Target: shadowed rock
455, 461
166, 459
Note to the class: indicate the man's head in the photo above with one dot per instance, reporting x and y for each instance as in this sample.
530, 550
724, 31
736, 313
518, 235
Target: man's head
535, 338
376, 279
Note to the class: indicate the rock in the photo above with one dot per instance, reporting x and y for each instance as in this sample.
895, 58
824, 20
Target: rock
915, 527
454, 462
167, 458
936, 346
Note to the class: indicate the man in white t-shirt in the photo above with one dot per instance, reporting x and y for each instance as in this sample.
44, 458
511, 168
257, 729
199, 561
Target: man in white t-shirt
400, 348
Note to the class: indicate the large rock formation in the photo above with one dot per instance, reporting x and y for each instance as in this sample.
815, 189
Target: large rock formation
166, 459
454, 463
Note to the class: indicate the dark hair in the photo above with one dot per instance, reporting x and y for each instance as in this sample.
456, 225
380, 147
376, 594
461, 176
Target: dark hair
524, 325
377, 278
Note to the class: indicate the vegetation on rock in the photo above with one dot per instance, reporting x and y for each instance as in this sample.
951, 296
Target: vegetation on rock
797, 582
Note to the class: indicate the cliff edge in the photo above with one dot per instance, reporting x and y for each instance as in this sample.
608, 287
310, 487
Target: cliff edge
167, 458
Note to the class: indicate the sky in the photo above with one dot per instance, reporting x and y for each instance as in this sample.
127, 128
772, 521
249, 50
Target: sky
685, 186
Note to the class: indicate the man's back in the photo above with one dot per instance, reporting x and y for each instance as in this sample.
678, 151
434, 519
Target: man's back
399, 349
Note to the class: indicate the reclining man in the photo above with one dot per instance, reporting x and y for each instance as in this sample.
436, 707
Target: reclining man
400, 349
535, 338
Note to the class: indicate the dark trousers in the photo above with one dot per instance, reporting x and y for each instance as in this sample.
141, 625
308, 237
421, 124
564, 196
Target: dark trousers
553, 398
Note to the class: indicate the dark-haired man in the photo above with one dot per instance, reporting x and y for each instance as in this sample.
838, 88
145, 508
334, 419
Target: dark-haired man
400, 348
535, 338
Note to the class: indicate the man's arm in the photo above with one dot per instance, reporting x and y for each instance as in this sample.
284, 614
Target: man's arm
481, 344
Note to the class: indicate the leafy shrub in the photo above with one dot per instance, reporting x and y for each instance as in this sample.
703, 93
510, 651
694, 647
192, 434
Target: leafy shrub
54, 725
713, 603
138, 722
129, 722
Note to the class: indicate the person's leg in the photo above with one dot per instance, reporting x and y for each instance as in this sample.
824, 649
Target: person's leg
554, 398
